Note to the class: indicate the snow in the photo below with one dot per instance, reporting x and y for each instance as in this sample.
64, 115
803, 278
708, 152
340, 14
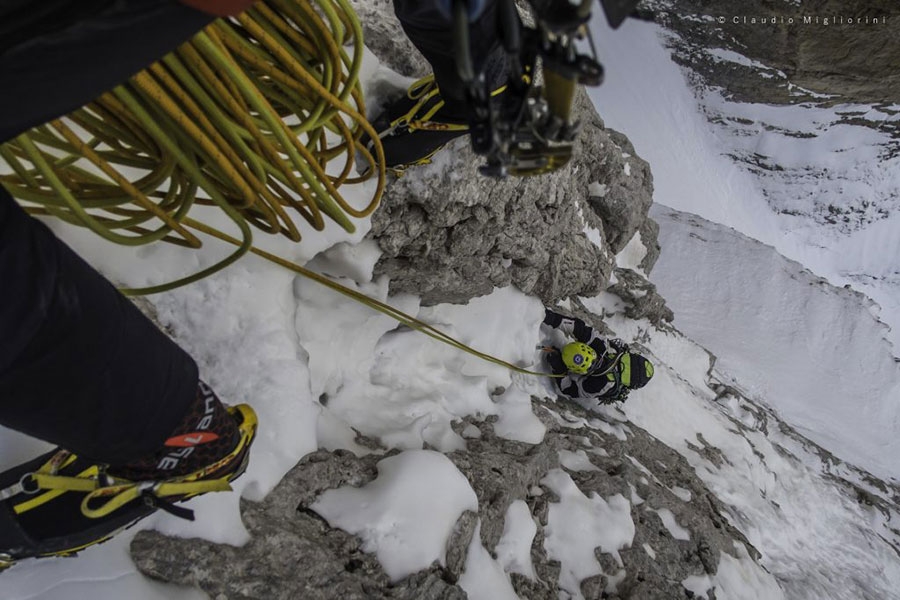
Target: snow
812, 351
471, 432
406, 515
483, 577
675, 530
698, 585
683, 494
514, 548
739, 579
576, 461
516, 421
733, 57
598, 189
632, 254
578, 524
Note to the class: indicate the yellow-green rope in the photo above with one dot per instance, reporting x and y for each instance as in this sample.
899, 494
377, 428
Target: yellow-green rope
259, 115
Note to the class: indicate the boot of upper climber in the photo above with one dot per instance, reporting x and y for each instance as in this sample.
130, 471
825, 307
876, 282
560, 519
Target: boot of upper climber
60, 503
414, 126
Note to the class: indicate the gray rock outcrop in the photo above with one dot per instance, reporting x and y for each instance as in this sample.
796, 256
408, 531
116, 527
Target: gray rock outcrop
448, 234
293, 553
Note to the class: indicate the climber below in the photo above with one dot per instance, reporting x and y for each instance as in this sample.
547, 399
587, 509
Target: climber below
594, 368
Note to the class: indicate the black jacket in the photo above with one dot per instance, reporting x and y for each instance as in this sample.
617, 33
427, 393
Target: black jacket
606, 388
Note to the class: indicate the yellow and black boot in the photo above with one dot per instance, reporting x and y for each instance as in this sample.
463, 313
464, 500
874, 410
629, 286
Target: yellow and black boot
60, 503
416, 125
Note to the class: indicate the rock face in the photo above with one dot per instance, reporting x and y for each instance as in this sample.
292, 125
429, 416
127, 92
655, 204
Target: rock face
448, 234
822, 46
293, 553
385, 38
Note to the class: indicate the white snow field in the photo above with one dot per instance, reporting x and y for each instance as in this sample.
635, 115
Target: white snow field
829, 204
839, 386
284, 344
786, 337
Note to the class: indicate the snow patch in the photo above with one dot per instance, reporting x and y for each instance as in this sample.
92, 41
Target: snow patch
698, 585
514, 548
517, 421
406, 515
597, 189
631, 256
741, 579
576, 461
683, 494
578, 524
483, 577
675, 530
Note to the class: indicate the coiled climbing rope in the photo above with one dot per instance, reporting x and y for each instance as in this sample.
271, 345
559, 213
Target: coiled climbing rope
259, 115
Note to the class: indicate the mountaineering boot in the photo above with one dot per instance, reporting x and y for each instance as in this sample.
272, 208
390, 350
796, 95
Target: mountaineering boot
415, 126
60, 503
206, 433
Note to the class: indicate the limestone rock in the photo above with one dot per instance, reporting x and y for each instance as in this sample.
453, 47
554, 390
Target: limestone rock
628, 192
385, 38
641, 298
449, 234
293, 553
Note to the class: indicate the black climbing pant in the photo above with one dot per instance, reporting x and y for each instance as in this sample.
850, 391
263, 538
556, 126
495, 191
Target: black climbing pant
80, 366
431, 32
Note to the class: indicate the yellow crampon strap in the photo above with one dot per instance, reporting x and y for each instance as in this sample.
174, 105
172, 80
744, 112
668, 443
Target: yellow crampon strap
424, 90
122, 493
64, 484
125, 493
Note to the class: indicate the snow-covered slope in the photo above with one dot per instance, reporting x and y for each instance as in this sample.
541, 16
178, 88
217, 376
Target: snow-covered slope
697, 169
812, 351
819, 184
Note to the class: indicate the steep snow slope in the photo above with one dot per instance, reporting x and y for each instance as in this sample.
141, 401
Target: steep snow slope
825, 529
694, 171
814, 352
818, 184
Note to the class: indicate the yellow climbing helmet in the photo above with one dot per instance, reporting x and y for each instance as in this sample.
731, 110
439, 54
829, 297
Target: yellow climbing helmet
578, 357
